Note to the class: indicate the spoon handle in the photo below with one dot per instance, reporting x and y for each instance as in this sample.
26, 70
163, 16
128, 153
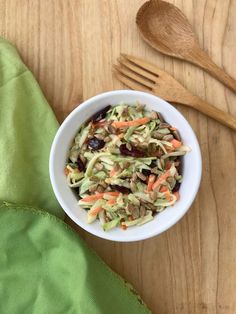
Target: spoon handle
200, 58
213, 112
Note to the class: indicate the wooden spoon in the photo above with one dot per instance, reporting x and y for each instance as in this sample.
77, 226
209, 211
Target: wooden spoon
167, 30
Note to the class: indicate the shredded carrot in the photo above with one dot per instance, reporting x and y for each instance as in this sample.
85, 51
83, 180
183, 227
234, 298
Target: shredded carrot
112, 172
66, 171
123, 226
168, 196
151, 180
99, 124
98, 196
163, 189
125, 124
162, 178
173, 129
176, 143
177, 195
111, 193
166, 192
111, 201
168, 165
95, 211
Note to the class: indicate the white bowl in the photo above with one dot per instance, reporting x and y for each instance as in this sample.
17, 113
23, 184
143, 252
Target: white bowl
192, 165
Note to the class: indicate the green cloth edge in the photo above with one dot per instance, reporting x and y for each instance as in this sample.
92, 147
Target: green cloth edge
39, 211
18, 91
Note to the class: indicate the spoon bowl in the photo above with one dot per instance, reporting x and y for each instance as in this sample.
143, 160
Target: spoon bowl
164, 27
153, 20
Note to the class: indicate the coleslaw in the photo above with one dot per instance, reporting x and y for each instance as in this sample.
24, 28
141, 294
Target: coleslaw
125, 165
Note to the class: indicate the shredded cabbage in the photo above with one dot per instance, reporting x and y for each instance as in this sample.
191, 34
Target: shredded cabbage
134, 174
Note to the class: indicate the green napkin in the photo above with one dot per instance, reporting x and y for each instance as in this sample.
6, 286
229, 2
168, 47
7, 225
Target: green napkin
44, 266
27, 128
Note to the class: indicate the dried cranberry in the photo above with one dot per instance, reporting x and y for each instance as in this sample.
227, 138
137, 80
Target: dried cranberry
80, 164
121, 189
100, 114
146, 172
153, 164
134, 152
179, 167
95, 143
76, 191
176, 187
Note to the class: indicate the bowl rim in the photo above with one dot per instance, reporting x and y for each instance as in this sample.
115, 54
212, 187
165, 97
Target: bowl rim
63, 204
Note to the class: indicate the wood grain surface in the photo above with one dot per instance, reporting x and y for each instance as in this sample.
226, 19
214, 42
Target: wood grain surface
70, 46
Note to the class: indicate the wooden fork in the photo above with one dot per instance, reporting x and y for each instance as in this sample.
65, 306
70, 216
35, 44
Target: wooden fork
140, 75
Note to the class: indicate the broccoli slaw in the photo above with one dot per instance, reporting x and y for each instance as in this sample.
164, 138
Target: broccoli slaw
125, 165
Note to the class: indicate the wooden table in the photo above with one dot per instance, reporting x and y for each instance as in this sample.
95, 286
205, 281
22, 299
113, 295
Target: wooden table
70, 46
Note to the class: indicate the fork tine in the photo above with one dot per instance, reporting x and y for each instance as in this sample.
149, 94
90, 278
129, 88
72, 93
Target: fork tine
130, 83
125, 62
143, 64
134, 76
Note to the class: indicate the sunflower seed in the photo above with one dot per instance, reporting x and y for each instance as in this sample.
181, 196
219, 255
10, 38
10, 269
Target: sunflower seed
107, 139
132, 186
103, 184
171, 181
93, 188
154, 115
125, 112
131, 208
168, 137
83, 148
164, 131
153, 195
154, 170
152, 148
160, 117
151, 206
127, 210
135, 213
99, 136
176, 135
158, 152
94, 178
134, 177
141, 176
142, 211
128, 146
116, 167
100, 189
111, 129
98, 166
83, 159
140, 107
126, 164
163, 125
157, 135
177, 163
122, 212
109, 216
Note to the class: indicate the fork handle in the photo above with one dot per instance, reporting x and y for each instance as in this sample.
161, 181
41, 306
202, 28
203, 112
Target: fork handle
213, 112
